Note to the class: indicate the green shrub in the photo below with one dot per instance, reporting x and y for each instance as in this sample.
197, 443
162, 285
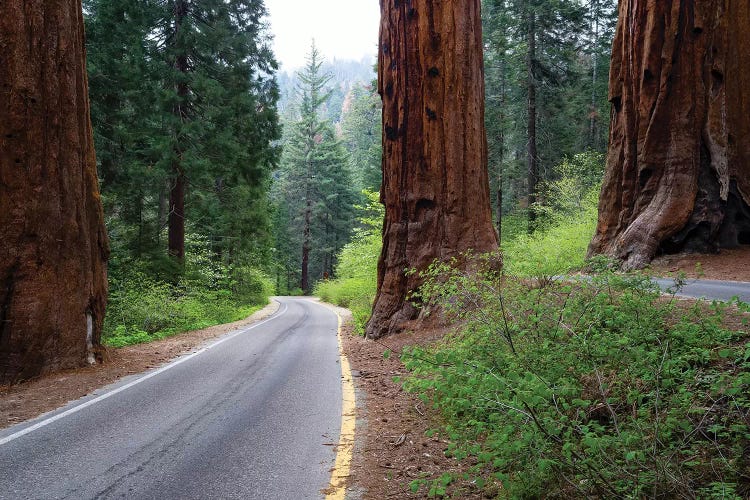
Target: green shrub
143, 309
565, 220
596, 388
250, 285
558, 249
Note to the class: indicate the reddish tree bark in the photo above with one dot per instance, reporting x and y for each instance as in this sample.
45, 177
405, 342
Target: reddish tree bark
678, 169
53, 245
176, 229
435, 180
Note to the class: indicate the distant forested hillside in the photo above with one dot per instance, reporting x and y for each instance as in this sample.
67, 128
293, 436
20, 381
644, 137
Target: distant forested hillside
345, 74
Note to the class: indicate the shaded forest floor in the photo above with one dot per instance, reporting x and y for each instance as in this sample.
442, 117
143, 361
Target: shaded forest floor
729, 265
21, 402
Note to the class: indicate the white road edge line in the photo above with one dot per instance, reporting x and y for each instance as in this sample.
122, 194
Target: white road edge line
152, 374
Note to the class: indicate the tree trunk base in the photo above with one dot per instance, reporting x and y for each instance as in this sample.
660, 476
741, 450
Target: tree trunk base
435, 180
678, 169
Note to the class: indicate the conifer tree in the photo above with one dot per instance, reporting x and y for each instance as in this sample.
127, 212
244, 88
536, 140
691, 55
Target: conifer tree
314, 194
361, 129
546, 86
189, 132
53, 245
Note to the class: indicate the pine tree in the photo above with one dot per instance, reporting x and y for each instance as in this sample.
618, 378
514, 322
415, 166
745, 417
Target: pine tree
314, 193
542, 92
361, 130
188, 133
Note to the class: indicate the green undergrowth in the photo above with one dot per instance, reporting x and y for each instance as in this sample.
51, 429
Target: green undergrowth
592, 389
558, 248
143, 309
565, 222
356, 275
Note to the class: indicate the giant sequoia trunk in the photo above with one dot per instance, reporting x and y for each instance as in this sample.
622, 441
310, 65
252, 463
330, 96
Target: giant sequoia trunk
678, 170
435, 180
53, 245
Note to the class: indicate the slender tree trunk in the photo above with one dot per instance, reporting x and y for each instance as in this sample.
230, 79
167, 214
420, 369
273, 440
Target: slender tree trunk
532, 155
179, 181
678, 168
163, 210
501, 152
435, 179
177, 214
306, 244
53, 244
594, 111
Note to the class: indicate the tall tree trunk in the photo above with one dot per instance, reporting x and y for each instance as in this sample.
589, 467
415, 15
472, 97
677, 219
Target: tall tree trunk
532, 154
54, 248
177, 214
162, 214
678, 169
594, 111
435, 179
179, 181
500, 140
306, 244
306, 235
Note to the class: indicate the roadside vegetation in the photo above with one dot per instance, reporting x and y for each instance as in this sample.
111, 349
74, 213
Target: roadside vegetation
596, 388
356, 282
591, 388
144, 306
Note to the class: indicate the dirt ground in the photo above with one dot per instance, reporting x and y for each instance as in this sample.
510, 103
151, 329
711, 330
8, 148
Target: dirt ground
392, 448
729, 264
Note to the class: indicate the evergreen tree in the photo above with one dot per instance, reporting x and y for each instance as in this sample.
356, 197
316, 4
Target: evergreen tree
361, 130
187, 136
314, 193
546, 85
53, 256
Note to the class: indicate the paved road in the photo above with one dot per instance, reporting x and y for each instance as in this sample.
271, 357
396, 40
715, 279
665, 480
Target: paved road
253, 417
710, 289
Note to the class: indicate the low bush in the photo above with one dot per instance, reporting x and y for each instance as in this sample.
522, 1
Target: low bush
143, 309
565, 221
558, 249
598, 388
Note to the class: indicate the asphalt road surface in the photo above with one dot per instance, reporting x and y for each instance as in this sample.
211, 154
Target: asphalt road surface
710, 289
253, 416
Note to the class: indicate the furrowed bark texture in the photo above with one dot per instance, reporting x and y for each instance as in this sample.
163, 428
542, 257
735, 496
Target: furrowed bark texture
435, 181
53, 244
678, 169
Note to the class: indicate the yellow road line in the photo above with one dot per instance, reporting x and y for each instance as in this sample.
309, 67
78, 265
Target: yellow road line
344, 451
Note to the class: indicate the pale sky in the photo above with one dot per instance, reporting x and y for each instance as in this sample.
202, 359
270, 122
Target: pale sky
342, 29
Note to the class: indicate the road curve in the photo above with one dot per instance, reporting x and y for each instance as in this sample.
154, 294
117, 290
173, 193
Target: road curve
254, 416
709, 289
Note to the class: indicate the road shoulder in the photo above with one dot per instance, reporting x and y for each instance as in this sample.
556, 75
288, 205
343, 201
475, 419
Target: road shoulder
392, 448
23, 402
